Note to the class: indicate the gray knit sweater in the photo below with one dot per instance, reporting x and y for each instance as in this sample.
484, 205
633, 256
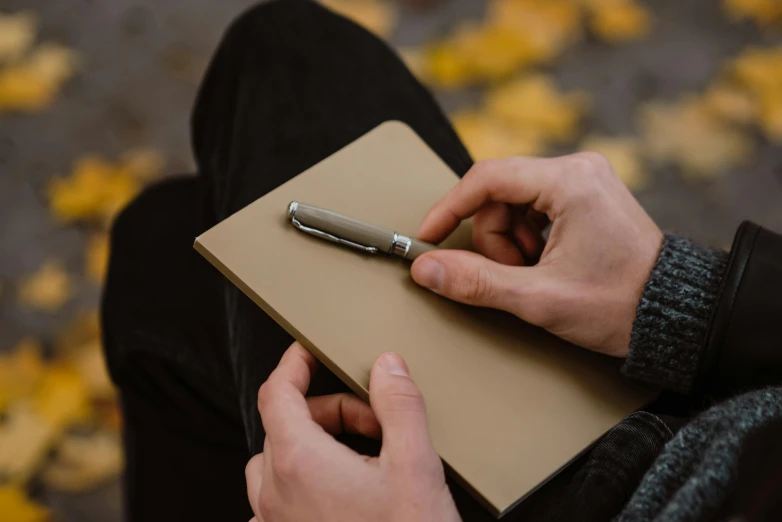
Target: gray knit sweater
692, 475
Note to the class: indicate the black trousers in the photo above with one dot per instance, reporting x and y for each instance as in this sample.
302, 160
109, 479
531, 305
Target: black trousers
290, 84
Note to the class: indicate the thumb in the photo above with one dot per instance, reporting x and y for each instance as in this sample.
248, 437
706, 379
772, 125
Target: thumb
470, 278
399, 408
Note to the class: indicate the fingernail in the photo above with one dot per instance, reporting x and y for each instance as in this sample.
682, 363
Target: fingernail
428, 273
394, 364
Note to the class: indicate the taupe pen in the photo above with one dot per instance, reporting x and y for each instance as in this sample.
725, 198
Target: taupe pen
354, 233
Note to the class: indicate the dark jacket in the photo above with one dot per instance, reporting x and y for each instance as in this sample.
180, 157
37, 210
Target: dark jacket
707, 330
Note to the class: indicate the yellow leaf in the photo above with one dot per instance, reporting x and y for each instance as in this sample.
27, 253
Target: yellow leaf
62, 398
142, 164
97, 257
17, 34
533, 103
377, 16
758, 71
771, 116
88, 362
688, 134
84, 461
547, 25
27, 438
446, 68
515, 35
20, 371
731, 103
22, 89
624, 154
488, 138
16, 507
83, 330
47, 289
95, 190
33, 83
764, 12
618, 20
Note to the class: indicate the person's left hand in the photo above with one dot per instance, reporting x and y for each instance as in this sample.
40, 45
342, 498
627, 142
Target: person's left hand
304, 474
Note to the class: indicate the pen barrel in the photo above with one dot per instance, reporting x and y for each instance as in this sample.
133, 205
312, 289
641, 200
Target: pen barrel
345, 227
417, 248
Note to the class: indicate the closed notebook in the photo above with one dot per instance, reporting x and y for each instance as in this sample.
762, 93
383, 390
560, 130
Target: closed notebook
508, 404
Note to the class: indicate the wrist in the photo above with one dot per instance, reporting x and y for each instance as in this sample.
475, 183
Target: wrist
672, 318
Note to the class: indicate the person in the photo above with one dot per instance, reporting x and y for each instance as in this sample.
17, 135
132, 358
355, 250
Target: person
290, 84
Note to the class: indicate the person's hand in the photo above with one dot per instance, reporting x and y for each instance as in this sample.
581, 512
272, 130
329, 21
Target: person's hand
587, 278
304, 474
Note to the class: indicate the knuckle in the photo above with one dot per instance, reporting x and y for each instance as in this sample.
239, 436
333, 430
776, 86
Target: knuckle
264, 395
408, 399
267, 503
589, 163
288, 463
476, 284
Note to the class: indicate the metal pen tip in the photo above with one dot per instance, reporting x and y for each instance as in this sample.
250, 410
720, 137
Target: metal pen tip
292, 206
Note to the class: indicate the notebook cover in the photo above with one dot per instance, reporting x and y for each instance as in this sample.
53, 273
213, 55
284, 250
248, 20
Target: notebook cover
508, 404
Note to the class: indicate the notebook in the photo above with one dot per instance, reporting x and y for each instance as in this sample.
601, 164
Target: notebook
508, 404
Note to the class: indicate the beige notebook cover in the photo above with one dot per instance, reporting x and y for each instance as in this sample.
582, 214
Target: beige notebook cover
508, 404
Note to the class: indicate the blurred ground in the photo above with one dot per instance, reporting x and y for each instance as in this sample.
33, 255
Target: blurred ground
141, 61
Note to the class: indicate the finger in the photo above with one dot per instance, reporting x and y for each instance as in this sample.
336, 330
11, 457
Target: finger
470, 278
528, 238
253, 474
400, 410
344, 413
284, 411
490, 234
514, 181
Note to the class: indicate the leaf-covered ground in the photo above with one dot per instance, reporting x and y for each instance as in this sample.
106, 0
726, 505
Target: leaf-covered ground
684, 97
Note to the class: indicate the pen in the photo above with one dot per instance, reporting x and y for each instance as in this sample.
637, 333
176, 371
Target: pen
354, 233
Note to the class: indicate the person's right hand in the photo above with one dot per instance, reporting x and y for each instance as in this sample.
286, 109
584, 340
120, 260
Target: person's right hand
591, 272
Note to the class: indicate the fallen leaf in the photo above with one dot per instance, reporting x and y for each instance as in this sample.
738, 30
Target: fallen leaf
758, 71
48, 289
30, 436
32, 84
771, 117
533, 103
731, 103
95, 190
624, 154
142, 164
62, 398
16, 507
446, 68
688, 134
17, 34
82, 330
764, 12
377, 16
487, 137
491, 51
515, 34
549, 26
89, 363
82, 462
618, 20
97, 257
21, 371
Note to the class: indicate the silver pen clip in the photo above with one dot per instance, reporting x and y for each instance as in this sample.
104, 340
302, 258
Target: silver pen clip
330, 237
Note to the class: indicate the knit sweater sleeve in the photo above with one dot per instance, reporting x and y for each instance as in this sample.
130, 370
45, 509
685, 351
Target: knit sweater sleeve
672, 319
